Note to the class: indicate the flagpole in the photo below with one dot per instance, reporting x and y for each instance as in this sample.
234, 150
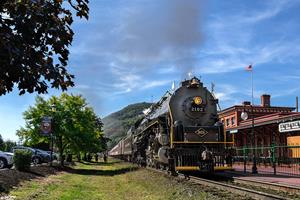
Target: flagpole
252, 86
254, 167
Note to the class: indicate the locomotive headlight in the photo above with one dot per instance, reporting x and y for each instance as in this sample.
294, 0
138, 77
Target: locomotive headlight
198, 100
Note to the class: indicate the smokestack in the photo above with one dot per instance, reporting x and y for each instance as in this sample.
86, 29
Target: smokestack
297, 104
246, 103
265, 100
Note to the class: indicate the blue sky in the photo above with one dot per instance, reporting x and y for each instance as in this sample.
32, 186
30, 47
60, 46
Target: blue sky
131, 51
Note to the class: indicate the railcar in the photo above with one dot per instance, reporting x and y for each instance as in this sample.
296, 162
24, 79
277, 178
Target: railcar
181, 132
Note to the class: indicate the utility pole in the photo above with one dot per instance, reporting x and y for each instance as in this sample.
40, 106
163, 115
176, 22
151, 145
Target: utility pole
297, 104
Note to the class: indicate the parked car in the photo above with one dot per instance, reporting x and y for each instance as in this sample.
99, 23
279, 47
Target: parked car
6, 160
38, 156
44, 155
54, 155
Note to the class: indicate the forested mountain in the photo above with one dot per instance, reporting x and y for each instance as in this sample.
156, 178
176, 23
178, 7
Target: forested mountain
117, 124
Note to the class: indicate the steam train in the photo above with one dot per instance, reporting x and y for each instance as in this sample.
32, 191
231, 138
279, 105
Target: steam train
181, 132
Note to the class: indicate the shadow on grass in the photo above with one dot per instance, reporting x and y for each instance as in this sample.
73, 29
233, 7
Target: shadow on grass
10, 178
96, 172
100, 163
35, 174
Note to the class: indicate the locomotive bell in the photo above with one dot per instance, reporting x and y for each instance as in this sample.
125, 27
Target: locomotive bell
194, 82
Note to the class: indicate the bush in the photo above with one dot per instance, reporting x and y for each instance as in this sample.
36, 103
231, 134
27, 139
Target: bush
22, 160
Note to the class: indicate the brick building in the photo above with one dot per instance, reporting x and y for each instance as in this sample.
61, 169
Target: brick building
266, 122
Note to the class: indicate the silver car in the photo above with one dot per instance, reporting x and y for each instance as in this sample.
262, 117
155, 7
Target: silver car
6, 160
38, 156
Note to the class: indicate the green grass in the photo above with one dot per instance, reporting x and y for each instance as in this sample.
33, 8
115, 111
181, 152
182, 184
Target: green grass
111, 181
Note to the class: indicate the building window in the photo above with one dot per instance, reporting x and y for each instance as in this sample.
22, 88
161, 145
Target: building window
232, 120
227, 122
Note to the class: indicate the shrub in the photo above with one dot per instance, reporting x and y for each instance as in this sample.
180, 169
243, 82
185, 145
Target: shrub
22, 160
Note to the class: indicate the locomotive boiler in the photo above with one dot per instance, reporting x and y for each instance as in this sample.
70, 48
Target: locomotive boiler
181, 132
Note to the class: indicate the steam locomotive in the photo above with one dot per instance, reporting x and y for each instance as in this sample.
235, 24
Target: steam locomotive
181, 132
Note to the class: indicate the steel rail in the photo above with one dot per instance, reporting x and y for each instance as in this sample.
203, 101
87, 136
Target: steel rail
228, 187
236, 189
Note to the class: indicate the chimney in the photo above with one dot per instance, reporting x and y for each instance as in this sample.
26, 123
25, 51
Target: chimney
246, 103
265, 100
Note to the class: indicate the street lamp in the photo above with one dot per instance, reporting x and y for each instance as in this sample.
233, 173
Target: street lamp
244, 116
53, 109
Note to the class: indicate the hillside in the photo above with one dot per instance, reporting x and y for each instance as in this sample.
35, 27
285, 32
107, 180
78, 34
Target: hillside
117, 124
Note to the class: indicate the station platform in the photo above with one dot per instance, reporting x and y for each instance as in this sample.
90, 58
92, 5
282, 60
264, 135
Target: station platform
282, 169
288, 180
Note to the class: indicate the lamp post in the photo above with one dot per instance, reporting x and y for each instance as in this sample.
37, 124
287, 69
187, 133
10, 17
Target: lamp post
244, 116
53, 109
254, 167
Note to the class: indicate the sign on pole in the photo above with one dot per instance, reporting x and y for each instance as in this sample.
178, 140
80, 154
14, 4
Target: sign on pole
46, 125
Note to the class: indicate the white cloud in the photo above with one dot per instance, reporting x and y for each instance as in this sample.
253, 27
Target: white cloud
250, 16
286, 92
233, 41
227, 95
166, 69
288, 77
273, 8
156, 83
128, 80
83, 86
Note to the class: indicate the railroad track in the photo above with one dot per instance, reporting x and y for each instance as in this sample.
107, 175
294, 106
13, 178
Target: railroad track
230, 187
266, 185
236, 189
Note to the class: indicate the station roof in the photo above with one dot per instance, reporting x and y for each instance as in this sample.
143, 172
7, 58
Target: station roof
274, 118
256, 107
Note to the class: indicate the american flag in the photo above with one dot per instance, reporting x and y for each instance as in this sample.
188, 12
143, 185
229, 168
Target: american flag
249, 68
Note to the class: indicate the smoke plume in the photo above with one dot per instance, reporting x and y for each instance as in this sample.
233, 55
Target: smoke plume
162, 31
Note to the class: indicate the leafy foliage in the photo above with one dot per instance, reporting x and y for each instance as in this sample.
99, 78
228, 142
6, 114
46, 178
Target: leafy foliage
117, 124
35, 36
22, 160
1, 143
76, 128
6, 145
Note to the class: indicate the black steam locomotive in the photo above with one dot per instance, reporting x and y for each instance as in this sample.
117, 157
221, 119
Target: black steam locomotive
181, 133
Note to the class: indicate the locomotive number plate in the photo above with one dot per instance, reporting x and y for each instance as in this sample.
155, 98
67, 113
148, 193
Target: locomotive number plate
197, 109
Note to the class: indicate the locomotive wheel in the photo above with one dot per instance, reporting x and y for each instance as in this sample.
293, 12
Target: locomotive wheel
172, 173
186, 176
148, 162
161, 167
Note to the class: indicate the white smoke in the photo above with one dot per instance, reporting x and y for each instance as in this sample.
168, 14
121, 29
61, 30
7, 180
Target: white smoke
162, 31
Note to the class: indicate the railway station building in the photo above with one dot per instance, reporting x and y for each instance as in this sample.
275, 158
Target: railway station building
272, 124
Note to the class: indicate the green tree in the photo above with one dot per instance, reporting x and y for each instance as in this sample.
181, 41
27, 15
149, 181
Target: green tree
35, 37
2, 144
76, 127
8, 145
